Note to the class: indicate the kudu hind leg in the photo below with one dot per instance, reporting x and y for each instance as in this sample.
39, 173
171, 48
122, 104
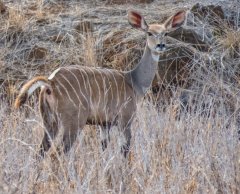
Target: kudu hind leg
50, 122
49, 135
128, 135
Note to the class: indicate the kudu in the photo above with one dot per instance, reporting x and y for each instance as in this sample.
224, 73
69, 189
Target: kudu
77, 95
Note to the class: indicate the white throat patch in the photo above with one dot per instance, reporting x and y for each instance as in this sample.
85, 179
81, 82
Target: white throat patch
155, 57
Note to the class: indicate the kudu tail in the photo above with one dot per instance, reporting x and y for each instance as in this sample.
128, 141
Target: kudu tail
29, 88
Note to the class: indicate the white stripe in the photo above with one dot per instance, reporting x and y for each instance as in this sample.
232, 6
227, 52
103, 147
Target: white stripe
59, 91
73, 90
104, 85
54, 73
112, 72
79, 86
67, 93
99, 92
89, 86
110, 88
83, 78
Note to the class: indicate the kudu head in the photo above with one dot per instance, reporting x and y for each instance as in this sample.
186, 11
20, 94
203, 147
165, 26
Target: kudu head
156, 33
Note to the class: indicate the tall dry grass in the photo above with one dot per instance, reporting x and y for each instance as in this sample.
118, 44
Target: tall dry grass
194, 153
184, 144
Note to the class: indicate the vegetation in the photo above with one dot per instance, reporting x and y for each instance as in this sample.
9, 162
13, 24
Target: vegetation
185, 136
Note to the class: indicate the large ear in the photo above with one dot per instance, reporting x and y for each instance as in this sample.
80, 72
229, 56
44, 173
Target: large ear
175, 21
136, 20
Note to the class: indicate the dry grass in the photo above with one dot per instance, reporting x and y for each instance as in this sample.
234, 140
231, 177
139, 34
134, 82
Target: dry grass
231, 41
187, 143
192, 154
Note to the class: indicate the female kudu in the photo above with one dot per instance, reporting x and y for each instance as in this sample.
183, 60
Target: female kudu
76, 95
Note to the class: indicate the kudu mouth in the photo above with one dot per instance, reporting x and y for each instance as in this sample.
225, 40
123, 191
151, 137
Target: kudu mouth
160, 51
162, 48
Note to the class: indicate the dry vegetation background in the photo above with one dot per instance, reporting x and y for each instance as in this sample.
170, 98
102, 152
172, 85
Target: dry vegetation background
185, 135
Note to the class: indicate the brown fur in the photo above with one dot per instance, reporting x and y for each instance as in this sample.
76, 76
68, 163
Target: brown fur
78, 95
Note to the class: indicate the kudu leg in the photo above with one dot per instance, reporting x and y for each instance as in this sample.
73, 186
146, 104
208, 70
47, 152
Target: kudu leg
105, 136
69, 138
50, 122
128, 135
49, 134
71, 124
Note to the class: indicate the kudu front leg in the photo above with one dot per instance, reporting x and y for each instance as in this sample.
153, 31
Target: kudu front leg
71, 125
128, 135
105, 136
69, 137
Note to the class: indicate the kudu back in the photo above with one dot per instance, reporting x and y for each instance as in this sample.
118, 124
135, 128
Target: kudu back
77, 95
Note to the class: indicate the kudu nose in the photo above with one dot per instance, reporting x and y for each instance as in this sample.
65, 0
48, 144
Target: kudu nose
160, 46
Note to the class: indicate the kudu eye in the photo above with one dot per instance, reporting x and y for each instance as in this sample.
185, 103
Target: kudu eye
149, 34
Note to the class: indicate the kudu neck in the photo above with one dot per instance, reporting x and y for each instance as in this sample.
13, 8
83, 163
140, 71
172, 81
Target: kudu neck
142, 75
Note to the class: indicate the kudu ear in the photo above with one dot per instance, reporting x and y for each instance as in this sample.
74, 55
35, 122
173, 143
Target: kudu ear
136, 20
175, 21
